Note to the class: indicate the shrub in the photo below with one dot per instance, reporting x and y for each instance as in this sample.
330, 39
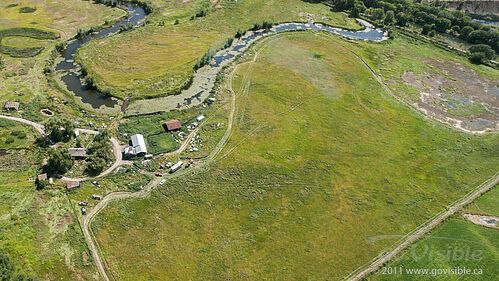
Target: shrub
478, 58
26, 10
485, 49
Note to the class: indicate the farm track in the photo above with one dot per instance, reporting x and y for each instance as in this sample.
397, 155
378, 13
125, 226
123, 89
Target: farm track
116, 147
420, 231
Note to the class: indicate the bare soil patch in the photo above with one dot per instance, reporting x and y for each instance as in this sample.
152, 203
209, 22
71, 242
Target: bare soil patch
489, 221
457, 95
66, 219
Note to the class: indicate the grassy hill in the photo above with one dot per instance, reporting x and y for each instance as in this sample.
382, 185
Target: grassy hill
320, 161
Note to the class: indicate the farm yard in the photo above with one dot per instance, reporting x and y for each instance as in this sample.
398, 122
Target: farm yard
302, 162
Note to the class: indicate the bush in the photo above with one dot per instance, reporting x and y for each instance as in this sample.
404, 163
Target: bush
427, 28
26, 10
485, 49
239, 33
432, 33
478, 58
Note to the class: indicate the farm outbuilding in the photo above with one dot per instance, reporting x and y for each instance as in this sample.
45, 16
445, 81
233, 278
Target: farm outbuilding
11, 105
72, 184
138, 146
42, 177
78, 152
173, 125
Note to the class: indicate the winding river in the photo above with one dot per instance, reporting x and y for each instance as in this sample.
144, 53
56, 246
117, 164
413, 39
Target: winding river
203, 79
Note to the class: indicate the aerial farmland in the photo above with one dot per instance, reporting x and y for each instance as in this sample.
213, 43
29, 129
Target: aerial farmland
248, 140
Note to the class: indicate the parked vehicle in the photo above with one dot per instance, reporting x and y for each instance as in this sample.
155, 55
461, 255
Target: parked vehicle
96, 183
83, 203
162, 182
158, 174
96, 197
83, 210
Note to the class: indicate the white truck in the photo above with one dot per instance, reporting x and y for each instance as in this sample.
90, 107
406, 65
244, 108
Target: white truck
177, 166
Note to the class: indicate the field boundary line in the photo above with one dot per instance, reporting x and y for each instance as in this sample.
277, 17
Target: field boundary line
422, 229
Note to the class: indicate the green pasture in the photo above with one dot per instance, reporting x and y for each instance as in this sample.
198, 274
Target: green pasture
310, 175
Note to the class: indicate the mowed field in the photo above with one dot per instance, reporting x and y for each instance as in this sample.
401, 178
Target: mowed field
158, 59
458, 243
321, 160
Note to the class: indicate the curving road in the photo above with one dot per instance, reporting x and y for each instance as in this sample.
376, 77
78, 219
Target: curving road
116, 146
123, 195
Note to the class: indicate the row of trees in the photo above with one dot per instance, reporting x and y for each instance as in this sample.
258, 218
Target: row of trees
433, 18
99, 152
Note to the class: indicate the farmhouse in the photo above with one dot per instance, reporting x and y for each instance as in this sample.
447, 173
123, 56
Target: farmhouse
72, 184
173, 125
11, 105
138, 146
78, 152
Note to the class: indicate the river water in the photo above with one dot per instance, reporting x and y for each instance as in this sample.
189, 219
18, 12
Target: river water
199, 89
73, 80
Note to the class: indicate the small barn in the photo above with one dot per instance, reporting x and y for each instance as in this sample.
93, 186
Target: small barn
72, 184
78, 152
11, 105
173, 125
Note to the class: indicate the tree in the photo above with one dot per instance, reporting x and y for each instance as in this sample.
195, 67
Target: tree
427, 28
432, 33
96, 165
389, 18
378, 14
402, 19
59, 129
60, 160
481, 54
358, 7
478, 58
442, 24
465, 31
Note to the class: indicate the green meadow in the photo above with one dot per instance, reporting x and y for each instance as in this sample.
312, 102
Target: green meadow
456, 243
158, 59
312, 172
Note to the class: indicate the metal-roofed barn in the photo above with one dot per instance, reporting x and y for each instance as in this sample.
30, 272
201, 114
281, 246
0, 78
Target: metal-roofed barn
173, 125
138, 144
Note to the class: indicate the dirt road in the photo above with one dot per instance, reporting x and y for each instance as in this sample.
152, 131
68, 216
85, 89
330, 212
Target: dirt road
38, 127
423, 229
116, 147
122, 195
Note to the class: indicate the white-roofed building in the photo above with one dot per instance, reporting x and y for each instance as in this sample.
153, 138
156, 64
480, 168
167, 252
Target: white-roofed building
138, 144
